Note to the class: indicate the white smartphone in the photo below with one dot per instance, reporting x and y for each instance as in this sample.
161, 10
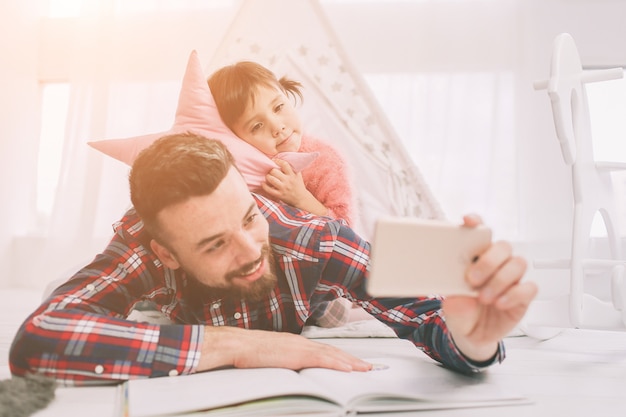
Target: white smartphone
414, 257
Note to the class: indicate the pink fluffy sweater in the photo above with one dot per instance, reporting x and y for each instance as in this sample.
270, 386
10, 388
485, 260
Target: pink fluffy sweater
328, 179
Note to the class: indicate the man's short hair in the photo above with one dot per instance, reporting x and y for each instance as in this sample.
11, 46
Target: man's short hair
172, 170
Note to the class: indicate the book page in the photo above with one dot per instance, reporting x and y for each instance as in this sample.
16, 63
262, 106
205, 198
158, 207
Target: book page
214, 389
395, 384
276, 407
409, 384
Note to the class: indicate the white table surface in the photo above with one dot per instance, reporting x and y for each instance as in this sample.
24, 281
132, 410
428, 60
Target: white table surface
576, 373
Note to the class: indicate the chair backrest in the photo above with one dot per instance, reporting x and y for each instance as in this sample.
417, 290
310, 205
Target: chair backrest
570, 111
566, 95
591, 184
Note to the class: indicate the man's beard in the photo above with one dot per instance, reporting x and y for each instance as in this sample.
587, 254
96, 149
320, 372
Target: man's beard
254, 291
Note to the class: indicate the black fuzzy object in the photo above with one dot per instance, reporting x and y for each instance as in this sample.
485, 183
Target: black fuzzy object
22, 396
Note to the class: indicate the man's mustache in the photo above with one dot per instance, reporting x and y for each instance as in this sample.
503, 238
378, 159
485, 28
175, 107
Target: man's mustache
244, 269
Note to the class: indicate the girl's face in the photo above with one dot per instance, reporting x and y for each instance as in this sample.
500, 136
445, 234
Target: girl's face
270, 124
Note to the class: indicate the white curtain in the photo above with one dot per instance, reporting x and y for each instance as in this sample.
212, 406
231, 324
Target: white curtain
459, 129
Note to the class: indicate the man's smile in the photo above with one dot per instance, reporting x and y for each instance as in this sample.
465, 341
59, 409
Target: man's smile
250, 272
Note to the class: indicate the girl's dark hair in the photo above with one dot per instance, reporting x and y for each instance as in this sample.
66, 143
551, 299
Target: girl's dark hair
173, 169
234, 86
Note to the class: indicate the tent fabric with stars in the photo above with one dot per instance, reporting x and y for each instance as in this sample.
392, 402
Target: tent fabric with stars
338, 106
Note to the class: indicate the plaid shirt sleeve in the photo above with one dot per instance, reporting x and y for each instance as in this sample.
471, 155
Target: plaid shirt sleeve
79, 335
420, 320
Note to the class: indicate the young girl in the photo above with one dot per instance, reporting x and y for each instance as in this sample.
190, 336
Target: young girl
256, 106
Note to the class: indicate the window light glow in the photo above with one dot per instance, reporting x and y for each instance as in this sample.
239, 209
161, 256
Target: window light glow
55, 101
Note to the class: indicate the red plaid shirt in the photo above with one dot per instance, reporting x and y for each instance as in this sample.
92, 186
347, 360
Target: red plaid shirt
80, 334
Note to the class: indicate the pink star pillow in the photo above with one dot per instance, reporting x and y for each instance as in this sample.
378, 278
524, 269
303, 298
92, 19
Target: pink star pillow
197, 113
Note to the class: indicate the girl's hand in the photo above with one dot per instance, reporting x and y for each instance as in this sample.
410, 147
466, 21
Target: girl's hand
283, 184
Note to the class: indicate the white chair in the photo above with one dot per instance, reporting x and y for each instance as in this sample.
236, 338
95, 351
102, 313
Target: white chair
591, 187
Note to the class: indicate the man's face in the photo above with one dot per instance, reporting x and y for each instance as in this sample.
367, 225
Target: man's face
220, 239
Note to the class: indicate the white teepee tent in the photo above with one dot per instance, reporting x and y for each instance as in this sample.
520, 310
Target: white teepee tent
338, 106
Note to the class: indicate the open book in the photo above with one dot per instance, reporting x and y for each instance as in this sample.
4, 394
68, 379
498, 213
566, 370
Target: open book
395, 384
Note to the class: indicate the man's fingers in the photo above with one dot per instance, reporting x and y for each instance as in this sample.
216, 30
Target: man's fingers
472, 220
488, 263
286, 350
506, 276
519, 296
337, 359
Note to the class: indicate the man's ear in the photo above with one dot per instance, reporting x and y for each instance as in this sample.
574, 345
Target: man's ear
165, 256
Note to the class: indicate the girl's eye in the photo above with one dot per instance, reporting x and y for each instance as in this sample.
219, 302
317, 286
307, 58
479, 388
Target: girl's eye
256, 127
278, 108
